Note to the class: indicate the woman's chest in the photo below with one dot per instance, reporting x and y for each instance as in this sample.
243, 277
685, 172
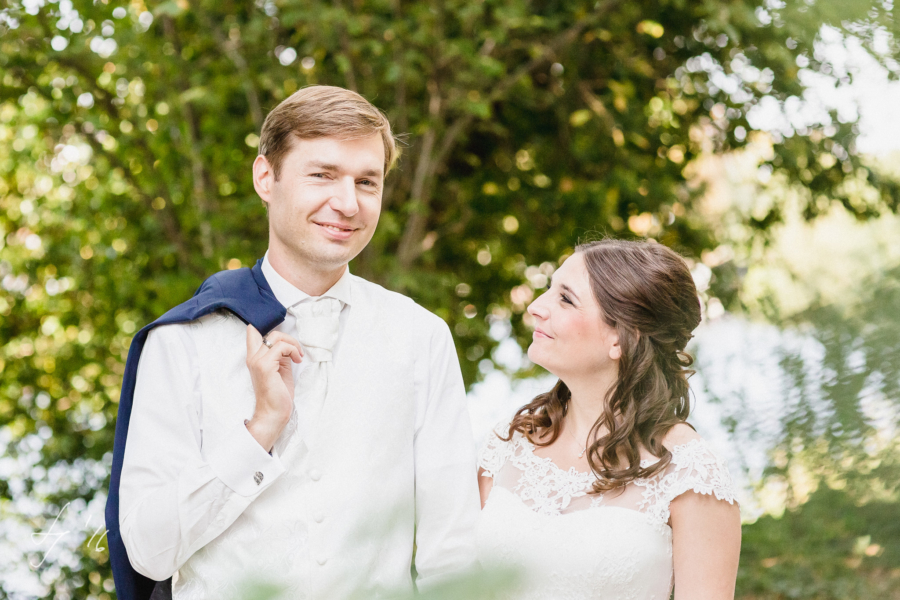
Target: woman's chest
601, 552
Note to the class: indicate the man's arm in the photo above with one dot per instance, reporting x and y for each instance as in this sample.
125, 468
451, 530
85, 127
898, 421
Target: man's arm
446, 491
173, 501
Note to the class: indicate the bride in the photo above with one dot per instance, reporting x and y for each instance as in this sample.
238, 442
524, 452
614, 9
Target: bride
599, 489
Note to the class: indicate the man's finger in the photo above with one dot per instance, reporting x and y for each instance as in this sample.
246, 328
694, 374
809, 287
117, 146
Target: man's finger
278, 336
282, 349
254, 340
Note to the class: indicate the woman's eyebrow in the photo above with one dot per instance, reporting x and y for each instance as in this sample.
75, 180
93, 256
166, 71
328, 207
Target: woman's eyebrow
569, 290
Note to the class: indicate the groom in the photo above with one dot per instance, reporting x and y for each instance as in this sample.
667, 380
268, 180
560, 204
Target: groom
293, 424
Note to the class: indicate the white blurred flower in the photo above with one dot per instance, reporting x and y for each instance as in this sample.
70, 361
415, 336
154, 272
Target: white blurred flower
85, 100
287, 56
145, 19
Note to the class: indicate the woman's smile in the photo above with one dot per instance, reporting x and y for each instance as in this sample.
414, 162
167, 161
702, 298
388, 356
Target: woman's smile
539, 334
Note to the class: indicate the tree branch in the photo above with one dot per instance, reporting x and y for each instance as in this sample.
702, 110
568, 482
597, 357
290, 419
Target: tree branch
420, 194
168, 223
345, 47
231, 48
596, 105
410, 245
198, 171
563, 40
402, 123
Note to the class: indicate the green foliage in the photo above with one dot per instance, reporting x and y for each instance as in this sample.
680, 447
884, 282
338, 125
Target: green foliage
828, 549
478, 585
839, 372
127, 138
837, 426
861, 363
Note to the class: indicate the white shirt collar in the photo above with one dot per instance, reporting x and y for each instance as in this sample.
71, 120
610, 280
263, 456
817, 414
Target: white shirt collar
288, 295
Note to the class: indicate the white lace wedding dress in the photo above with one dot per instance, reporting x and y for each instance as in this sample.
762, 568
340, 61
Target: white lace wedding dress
568, 544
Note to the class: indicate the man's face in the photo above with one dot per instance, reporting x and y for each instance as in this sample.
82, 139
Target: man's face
324, 206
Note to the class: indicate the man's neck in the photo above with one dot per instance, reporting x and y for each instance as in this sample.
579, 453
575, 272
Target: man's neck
310, 281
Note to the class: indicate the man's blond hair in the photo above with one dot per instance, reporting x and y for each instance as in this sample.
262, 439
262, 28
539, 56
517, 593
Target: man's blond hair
321, 111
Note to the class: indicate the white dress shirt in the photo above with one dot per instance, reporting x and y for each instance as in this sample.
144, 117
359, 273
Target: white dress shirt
390, 458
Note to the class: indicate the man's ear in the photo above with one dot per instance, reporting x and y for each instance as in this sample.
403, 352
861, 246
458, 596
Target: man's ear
263, 178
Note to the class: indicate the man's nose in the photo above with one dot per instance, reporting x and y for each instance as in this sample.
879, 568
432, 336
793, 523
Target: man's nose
344, 198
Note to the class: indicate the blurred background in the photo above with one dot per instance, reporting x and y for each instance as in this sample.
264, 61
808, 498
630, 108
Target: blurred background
758, 138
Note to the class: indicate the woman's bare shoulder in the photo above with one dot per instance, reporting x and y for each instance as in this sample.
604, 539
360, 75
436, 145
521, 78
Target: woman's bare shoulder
680, 434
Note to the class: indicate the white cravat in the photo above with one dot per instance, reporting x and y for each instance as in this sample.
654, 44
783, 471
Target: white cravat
318, 325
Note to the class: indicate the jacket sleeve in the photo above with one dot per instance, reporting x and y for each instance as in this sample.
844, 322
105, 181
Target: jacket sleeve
172, 500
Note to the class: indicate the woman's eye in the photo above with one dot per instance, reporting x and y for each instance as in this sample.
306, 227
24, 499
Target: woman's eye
565, 299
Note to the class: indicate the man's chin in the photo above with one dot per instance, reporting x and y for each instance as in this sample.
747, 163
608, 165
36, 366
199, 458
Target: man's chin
336, 259
325, 254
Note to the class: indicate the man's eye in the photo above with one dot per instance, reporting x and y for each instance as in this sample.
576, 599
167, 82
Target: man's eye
367, 182
319, 175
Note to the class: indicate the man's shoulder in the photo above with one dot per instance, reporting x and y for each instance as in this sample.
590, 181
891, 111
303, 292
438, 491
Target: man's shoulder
207, 305
216, 286
226, 282
199, 325
395, 304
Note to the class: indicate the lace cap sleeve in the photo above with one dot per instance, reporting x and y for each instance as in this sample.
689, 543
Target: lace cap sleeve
495, 452
695, 467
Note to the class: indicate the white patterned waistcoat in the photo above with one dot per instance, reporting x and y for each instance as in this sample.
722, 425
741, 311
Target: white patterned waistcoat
333, 522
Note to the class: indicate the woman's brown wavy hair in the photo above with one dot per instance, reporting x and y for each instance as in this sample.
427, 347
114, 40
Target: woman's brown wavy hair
645, 290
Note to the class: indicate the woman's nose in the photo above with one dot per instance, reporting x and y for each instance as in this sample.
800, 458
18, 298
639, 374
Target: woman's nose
537, 309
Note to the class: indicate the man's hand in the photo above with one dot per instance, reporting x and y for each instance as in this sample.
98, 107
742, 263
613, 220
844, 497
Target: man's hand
273, 383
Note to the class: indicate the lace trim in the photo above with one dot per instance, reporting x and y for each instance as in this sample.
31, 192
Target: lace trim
696, 468
543, 486
549, 490
494, 453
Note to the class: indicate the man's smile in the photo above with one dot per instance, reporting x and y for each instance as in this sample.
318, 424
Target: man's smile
336, 230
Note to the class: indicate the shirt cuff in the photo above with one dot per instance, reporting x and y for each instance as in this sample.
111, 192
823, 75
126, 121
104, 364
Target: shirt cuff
242, 464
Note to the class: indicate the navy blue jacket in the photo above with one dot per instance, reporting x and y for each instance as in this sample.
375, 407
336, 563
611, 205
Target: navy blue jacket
245, 293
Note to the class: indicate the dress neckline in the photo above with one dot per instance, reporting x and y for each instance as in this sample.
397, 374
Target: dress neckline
529, 447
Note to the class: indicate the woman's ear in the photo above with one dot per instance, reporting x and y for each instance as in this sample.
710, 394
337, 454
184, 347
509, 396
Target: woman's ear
615, 351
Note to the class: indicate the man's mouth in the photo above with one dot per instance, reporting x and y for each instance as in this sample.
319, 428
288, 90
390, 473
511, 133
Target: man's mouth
338, 228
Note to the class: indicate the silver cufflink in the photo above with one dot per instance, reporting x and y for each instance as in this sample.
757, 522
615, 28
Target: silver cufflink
258, 477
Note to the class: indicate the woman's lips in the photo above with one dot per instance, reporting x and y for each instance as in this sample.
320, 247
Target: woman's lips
540, 334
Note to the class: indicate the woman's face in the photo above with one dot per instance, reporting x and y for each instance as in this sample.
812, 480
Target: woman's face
571, 339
